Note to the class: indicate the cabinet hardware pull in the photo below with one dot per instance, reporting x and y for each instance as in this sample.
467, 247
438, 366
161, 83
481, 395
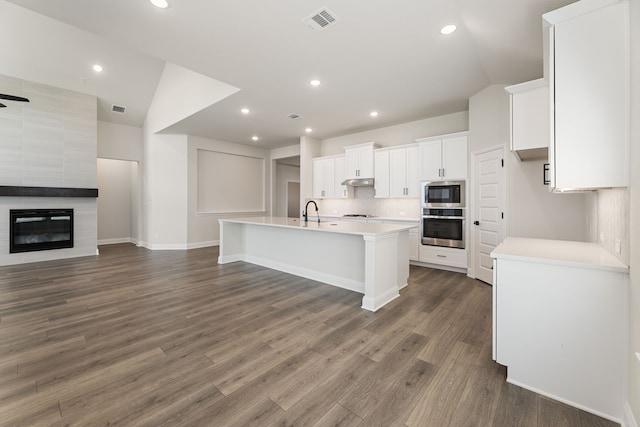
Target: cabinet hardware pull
441, 256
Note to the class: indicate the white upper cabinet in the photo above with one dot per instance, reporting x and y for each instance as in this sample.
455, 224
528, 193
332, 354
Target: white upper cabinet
587, 65
381, 173
360, 160
403, 177
530, 119
443, 158
340, 173
324, 177
396, 172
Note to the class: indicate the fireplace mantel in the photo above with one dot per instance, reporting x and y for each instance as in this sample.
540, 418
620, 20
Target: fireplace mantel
20, 191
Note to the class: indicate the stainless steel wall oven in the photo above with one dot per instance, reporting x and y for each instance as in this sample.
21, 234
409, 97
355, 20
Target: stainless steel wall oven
443, 227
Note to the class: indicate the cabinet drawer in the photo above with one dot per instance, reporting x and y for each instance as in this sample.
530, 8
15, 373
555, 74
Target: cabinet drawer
443, 256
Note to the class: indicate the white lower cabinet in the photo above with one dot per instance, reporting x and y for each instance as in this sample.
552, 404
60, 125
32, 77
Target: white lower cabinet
559, 321
452, 257
414, 244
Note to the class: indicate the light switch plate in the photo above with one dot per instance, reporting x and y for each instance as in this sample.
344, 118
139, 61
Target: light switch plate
617, 247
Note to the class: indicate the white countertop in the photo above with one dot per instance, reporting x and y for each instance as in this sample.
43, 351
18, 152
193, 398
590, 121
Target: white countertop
343, 227
559, 252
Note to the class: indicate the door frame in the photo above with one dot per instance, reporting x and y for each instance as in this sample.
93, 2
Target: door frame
472, 248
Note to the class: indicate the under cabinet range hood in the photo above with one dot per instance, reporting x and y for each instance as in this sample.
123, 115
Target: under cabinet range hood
358, 182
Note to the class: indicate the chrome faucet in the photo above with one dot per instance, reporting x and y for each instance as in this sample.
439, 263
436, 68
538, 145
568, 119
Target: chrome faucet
305, 214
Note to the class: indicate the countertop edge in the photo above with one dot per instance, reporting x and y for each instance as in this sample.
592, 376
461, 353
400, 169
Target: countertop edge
299, 226
611, 264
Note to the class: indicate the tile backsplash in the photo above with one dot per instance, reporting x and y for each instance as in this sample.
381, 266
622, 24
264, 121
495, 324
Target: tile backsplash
362, 201
611, 222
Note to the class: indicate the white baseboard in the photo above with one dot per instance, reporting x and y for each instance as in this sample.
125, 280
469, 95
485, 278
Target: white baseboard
566, 401
374, 304
341, 282
629, 420
115, 241
174, 246
203, 244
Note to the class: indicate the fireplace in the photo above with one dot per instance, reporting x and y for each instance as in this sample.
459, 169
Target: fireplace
40, 229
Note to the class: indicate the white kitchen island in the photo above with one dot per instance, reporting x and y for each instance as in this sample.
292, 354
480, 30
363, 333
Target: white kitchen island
372, 259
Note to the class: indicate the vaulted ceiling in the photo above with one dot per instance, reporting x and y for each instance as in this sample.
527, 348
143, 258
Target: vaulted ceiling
378, 55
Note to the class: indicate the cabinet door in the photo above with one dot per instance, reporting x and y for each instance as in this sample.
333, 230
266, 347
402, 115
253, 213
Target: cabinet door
339, 173
351, 156
413, 177
591, 99
365, 162
317, 178
530, 119
414, 244
398, 173
381, 174
328, 185
431, 156
454, 158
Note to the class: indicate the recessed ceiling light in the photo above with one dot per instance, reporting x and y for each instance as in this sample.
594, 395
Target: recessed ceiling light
314, 82
255, 138
97, 68
373, 114
448, 29
162, 4
308, 130
245, 111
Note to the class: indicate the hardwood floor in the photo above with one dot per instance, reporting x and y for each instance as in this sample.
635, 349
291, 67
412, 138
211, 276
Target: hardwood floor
169, 338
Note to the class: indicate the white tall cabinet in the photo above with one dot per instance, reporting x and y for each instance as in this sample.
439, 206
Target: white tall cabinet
587, 64
443, 157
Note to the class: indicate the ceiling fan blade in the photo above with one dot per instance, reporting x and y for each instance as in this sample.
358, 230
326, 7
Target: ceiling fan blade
2, 105
13, 98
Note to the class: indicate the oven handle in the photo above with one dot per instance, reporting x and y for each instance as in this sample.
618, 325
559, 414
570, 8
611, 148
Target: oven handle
441, 217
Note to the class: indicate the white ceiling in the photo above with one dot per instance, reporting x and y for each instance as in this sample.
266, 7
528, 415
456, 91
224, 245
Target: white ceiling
381, 55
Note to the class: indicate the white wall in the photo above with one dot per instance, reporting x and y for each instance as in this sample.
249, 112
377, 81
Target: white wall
309, 148
531, 210
165, 197
404, 133
634, 251
203, 228
115, 201
182, 93
116, 141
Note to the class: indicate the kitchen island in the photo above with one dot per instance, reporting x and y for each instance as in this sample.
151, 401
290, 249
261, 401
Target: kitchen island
369, 258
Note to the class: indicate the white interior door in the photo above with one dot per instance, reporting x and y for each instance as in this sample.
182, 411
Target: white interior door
489, 193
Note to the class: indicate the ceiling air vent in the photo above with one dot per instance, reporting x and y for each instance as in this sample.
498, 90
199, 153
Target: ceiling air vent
294, 116
118, 109
320, 20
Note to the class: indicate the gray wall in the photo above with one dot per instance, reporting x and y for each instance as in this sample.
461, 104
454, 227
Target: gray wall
531, 210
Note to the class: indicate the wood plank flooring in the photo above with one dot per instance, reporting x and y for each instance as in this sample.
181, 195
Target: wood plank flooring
170, 338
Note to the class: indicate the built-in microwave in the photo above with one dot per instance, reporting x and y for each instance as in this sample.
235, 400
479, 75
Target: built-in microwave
442, 194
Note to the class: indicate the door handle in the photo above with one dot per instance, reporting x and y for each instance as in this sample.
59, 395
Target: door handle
476, 222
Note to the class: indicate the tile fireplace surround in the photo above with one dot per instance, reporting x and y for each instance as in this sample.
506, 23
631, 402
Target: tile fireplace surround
50, 143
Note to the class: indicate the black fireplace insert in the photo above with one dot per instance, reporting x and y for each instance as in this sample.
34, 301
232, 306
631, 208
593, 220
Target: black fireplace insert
40, 229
